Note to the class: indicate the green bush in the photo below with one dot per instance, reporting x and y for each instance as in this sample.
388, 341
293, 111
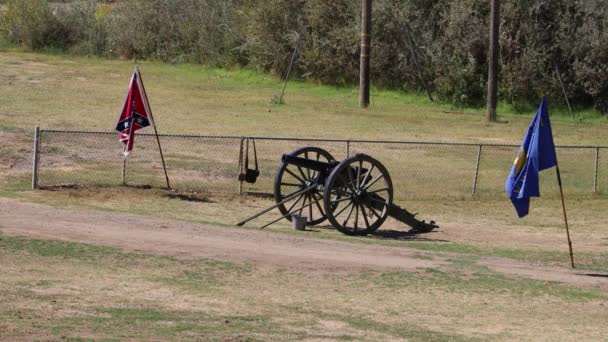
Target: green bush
175, 30
31, 23
97, 41
460, 52
80, 26
589, 55
38, 24
331, 42
329, 48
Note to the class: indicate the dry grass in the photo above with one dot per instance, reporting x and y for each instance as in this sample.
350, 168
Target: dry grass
101, 293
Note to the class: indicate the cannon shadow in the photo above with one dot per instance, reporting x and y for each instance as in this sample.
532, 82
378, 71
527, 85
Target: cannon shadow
401, 235
387, 234
597, 275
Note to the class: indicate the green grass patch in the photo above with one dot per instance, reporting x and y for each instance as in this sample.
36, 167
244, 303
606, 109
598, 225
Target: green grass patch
9, 194
189, 272
197, 275
404, 330
63, 249
155, 323
5, 44
465, 277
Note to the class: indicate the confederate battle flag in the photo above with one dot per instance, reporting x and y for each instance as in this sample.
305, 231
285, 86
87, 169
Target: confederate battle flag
135, 113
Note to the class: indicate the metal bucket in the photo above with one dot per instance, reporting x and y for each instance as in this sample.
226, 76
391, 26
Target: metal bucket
298, 222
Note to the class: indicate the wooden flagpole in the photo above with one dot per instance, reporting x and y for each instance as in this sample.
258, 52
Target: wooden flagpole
125, 151
155, 130
124, 170
561, 192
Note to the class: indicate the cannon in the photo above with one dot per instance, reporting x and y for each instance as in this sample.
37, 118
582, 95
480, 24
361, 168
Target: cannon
354, 195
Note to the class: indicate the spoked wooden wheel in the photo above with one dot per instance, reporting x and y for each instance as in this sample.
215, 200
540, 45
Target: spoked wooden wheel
291, 179
358, 195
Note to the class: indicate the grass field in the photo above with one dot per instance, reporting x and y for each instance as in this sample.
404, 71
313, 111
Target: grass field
81, 292
87, 93
61, 290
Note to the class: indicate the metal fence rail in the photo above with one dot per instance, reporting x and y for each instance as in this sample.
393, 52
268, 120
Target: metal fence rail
211, 163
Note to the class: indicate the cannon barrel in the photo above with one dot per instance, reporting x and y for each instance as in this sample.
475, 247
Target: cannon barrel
316, 165
403, 216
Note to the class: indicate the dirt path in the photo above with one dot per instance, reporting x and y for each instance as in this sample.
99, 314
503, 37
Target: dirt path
264, 249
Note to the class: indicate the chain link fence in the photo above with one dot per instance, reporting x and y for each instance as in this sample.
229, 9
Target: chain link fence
213, 163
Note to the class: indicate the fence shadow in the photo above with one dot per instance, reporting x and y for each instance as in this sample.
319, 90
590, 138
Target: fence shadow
189, 198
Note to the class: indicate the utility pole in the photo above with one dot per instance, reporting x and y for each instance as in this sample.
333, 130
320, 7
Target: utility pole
366, 39
493, 60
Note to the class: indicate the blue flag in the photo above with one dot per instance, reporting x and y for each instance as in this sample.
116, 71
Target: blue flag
537, 153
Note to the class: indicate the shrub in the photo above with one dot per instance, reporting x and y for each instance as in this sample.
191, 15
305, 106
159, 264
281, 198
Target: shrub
175, 30
268, 29
590, 53
459, 52
80, 26
32, 23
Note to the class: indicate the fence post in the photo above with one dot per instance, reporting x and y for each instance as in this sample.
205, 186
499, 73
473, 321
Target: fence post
35, 160
347, 148
597, 157
476, 169
241, 171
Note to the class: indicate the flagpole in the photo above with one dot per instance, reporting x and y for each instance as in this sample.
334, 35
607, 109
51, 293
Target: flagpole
124, 170
125, 151
155, 130
561, 192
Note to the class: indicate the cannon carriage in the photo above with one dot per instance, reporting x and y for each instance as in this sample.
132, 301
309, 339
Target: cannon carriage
354, 195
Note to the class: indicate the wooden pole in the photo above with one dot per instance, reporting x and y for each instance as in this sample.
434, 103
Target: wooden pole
285, 200
418, 68
561, 192
493, 60
162, 158
293, 59
125, 152
561, 83
366, 27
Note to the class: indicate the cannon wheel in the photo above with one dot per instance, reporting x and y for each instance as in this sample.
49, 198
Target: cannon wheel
290, 179
358, 195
